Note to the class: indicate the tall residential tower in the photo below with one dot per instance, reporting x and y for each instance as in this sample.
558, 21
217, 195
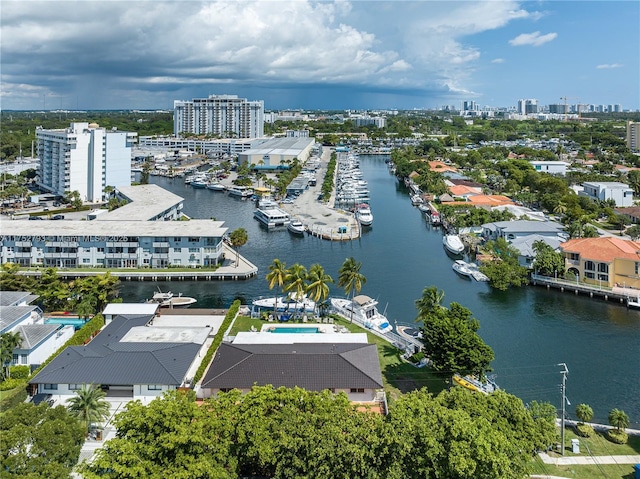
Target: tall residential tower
84, 158
226, 116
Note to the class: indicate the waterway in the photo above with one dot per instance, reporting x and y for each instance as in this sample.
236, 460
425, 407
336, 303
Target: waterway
530, 329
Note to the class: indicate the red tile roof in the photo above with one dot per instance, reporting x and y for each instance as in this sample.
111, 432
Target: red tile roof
604, 249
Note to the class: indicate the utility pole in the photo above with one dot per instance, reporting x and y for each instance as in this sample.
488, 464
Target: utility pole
564, 373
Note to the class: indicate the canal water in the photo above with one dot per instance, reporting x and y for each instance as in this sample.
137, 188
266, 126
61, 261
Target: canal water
530, 329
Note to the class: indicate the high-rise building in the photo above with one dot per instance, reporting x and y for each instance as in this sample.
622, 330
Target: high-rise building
84, 158
526, 107
470, 105
633, 136
226, 116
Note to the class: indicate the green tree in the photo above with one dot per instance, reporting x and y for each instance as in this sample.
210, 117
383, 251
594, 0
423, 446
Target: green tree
618, 419
504, 270
89, 405
8, 342
584, 413
318, 284
39, 442
633, 232
295, 281
351, 279
547, 261
429, 303
450, 340
276, 278
238, 238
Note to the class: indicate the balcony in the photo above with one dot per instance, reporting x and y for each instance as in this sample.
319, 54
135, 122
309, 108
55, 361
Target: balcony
160, 244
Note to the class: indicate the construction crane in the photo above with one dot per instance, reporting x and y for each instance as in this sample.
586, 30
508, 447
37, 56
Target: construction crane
566, 106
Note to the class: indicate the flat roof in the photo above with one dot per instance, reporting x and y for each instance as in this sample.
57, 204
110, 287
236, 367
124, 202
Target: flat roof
263, 337
146, 202
110, 229
130, 308
159, 334
280, 146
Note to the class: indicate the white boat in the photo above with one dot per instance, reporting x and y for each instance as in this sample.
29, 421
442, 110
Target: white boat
362, 310
200, 184
470, 270
434, 218
416, 200
364, 215
272, 217
216, 186
241, 191
453, 243
296, 227
167, 299
423, 208
285, 304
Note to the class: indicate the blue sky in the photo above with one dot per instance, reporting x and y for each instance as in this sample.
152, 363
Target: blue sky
318, 55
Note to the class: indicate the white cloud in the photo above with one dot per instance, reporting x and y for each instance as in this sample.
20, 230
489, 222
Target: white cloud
535, 39
497, 60
609, 65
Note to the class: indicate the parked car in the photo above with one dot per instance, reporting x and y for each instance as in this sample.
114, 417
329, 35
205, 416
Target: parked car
57, 217
36, 218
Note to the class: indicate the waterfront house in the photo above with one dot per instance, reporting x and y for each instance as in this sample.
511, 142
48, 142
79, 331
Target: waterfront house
606, 261
527, 254
513, 230
351, 368
135, 356
621, 193
39, 339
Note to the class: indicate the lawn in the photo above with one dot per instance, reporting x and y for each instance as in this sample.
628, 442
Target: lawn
608, 471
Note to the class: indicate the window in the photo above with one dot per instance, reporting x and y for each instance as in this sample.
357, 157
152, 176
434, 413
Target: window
194, 239
356, 390
86, 260
154, 387
194, 250
100, 250
574, 256
177, 239
589, 265
177, 250
637, 268
74, 387
51, 387
589, 274
603, 268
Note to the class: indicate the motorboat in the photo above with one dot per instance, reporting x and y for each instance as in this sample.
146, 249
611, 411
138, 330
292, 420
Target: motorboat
296, 227
364, 215
200, 184
423, 208
166, 299
469, 270
241, 191
471, 383
434, 218
272, 217
362, 310
453, 243
285, 304
416, 200
216, 186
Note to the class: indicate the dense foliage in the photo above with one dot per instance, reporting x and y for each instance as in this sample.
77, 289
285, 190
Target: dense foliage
504, 269
286, 433
39, 442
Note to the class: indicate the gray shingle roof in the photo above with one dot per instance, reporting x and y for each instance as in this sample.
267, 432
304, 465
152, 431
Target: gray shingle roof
106, 361
314, 367
13, 298
526, 226
10, 316
34, 334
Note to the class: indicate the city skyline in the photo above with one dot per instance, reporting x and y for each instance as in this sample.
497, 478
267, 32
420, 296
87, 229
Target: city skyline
318, 55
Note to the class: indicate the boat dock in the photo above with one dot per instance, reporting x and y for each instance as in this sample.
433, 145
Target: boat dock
625, 296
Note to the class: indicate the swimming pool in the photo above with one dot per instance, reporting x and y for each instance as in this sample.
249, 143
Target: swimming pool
294, 329
76, 322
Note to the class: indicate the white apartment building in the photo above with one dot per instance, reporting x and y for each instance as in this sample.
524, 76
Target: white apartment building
84, 158
633, 136
224, 115
606, 190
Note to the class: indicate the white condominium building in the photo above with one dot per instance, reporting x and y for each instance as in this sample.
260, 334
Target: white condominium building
226, 116
633, 136
84, 158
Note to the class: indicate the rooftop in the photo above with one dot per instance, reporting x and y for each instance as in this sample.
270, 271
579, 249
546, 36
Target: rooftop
146, 203
604, 249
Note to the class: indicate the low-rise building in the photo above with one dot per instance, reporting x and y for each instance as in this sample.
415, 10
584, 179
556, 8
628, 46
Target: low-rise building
551, 167
278, 153
606, 261
514, 230
621, 193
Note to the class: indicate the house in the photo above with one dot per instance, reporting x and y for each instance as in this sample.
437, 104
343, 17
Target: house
513, 230
349, 367
135, 356
621, 193
606, 261
551, 167
527, 254
631, 212
39, 339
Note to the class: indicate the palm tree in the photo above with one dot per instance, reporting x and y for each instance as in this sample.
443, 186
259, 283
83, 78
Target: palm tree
618, 419
351, 279
429, 303
238, 239
89, 405
276, 277
584, 413
295, 280
8, 342
318, 287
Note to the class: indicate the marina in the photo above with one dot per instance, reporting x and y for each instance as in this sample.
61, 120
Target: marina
530, 329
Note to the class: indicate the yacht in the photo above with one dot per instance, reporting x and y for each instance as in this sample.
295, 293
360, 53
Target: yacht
453, 243
272, 216
364, 215
296, 227
469, 270
216, 186
241, 191
362, 310
285, 304
167, 299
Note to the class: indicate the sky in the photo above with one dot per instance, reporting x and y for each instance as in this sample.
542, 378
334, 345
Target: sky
332, 55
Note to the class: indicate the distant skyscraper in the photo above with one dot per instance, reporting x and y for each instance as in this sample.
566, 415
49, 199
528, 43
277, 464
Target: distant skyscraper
633, 136
617, 108
526, 107
224, 115
469, 105
84, 158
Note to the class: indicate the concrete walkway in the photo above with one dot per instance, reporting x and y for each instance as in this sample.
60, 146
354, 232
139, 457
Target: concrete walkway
588, 460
